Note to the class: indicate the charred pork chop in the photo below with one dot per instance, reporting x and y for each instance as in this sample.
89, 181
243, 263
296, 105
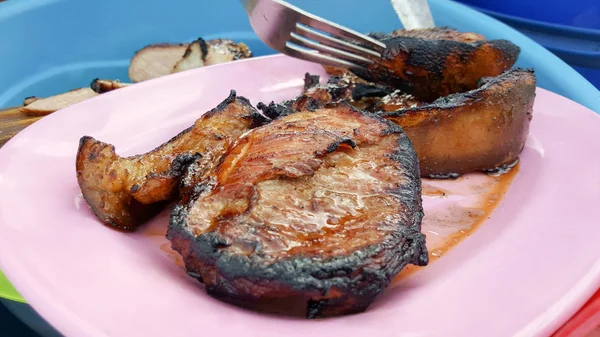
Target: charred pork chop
431, 63
124, 192
484, 129
321, 208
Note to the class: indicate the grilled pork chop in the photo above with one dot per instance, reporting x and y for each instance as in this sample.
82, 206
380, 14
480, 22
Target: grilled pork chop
320, 208
433, 63
125, 192
479, 130
484, 129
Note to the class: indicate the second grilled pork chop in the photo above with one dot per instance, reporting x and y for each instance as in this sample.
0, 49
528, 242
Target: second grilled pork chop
322, 208
484, 129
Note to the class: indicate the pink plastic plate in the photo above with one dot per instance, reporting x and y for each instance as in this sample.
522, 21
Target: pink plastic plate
524, 272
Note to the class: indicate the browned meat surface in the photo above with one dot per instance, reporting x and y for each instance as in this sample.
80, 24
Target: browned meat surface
224, 50
155, 60
124, 192
430, 68
479, 130
162, 59
439, 33
318, 208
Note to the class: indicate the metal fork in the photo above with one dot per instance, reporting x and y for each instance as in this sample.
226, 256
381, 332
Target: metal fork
297, 33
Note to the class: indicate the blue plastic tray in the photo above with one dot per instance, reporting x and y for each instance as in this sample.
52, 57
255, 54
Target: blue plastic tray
50, 46
576, 13
579, 47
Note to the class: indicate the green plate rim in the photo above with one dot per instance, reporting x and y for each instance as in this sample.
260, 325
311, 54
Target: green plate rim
7, 291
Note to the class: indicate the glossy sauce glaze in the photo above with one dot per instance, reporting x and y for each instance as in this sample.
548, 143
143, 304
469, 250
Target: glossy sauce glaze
314, 184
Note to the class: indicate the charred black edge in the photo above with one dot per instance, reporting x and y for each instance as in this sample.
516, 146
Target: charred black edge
311, 80
504, 168
382, 36
203, 47
311, 273
456, 100
362, 90
178, 168
444, 176
336, 145
257, 119
180, 164
83, 142
96, 87
278, 110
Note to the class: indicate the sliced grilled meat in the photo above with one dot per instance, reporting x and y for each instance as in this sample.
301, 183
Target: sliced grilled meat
194, 56
47, 105
155, 60
320, 208
125, 192
480, 130
162, 59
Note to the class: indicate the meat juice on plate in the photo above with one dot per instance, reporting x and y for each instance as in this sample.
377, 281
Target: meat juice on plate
455, 208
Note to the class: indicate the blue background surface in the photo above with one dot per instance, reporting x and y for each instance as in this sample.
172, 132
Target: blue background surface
57, 45
51, 46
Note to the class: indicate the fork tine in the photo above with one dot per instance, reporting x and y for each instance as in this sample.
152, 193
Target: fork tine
315, 56
333, 28
333, 42
302, 41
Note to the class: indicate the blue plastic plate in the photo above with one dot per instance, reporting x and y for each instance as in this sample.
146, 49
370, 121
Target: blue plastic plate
50, 46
